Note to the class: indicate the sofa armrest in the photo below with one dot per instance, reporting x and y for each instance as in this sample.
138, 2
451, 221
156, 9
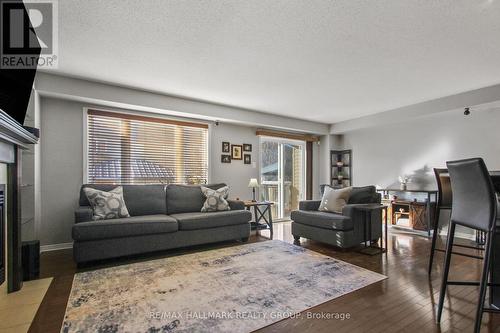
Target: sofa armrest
236, 204
84, 214
309, 204
358, 216
350, 209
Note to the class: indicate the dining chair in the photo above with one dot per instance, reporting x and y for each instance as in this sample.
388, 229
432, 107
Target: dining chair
444, 202
474, 206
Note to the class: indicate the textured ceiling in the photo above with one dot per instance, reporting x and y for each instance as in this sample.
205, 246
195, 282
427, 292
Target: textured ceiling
325, 61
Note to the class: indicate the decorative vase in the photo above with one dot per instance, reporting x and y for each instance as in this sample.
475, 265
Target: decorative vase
402, 186
340, 164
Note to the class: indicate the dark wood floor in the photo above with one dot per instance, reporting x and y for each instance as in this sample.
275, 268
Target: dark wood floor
405, 302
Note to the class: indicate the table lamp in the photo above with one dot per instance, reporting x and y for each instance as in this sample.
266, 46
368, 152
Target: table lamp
253, 184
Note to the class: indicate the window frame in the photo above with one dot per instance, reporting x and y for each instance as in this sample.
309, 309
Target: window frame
282, 140
85, 176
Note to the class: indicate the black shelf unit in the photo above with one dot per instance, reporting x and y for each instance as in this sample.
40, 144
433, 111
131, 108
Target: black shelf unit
341, 168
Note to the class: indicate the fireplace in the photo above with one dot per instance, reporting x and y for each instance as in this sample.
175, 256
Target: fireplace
2, 234
13, 139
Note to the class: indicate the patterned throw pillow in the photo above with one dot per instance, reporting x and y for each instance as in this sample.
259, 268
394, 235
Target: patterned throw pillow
216, 199
107, 205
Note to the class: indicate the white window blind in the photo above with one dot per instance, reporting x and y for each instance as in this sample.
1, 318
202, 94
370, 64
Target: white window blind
132, 149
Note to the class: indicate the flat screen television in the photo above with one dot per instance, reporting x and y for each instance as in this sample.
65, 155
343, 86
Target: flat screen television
15, 87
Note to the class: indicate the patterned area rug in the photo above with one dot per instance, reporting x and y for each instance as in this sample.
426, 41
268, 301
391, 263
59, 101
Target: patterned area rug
234, 289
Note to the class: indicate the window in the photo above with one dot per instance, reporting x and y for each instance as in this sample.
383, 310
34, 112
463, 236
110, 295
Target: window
132, 149
282, 174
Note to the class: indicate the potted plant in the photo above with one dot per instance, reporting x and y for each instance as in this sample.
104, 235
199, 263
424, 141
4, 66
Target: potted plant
403, 182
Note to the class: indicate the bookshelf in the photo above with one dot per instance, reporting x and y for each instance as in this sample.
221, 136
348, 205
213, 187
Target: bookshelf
341, 168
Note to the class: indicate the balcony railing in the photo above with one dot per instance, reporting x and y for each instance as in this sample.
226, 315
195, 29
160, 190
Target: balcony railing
270, 192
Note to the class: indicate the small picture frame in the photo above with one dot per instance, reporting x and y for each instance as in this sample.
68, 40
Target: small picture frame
236, 152
226, 147
247, 147
225, 158
247, 158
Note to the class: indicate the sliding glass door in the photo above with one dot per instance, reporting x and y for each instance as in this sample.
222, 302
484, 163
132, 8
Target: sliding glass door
282, 174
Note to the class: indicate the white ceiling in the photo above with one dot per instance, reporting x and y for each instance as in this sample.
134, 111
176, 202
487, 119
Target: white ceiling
326, 61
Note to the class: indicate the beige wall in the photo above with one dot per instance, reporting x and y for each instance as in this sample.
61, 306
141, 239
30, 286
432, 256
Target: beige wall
382, 153
236, 174
61, 148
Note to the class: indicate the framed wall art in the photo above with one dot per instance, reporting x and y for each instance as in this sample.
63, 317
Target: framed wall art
236, 152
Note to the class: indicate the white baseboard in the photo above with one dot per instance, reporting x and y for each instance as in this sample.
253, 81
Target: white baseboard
55, 247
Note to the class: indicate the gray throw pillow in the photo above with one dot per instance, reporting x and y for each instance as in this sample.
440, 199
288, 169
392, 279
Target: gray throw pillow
107, 205
334, 200
216, 199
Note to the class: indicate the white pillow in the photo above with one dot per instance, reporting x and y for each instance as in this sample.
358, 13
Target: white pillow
107, 204
334, 200
216, 199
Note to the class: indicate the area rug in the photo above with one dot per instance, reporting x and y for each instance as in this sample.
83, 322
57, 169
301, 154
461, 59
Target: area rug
233, 289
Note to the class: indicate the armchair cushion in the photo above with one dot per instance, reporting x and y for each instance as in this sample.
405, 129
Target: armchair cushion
350, 209
324, 220
309, 204
364, 195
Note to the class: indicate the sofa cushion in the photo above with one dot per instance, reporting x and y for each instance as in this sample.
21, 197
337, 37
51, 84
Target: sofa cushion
131, 226
324, 220
186, 198
195, 221
140, 199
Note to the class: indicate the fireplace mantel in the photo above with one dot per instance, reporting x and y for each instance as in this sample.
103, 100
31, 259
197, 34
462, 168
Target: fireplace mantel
13, 133
13, 139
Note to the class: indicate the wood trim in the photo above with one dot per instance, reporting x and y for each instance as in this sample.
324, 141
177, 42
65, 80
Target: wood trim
287, 135
144, 118
309, 170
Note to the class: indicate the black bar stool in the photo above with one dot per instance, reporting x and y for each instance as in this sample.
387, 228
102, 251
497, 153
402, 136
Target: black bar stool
474, 206
445, 201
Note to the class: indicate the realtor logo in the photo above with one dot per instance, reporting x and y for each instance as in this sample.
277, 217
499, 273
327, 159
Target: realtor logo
29, 34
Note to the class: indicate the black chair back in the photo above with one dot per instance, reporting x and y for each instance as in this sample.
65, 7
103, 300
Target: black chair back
445, 197
474, 201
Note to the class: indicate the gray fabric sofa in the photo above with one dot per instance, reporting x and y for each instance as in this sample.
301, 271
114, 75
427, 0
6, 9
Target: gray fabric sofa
162, 217
343, 230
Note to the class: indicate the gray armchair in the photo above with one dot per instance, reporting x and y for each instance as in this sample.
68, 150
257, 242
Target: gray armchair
343, 230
